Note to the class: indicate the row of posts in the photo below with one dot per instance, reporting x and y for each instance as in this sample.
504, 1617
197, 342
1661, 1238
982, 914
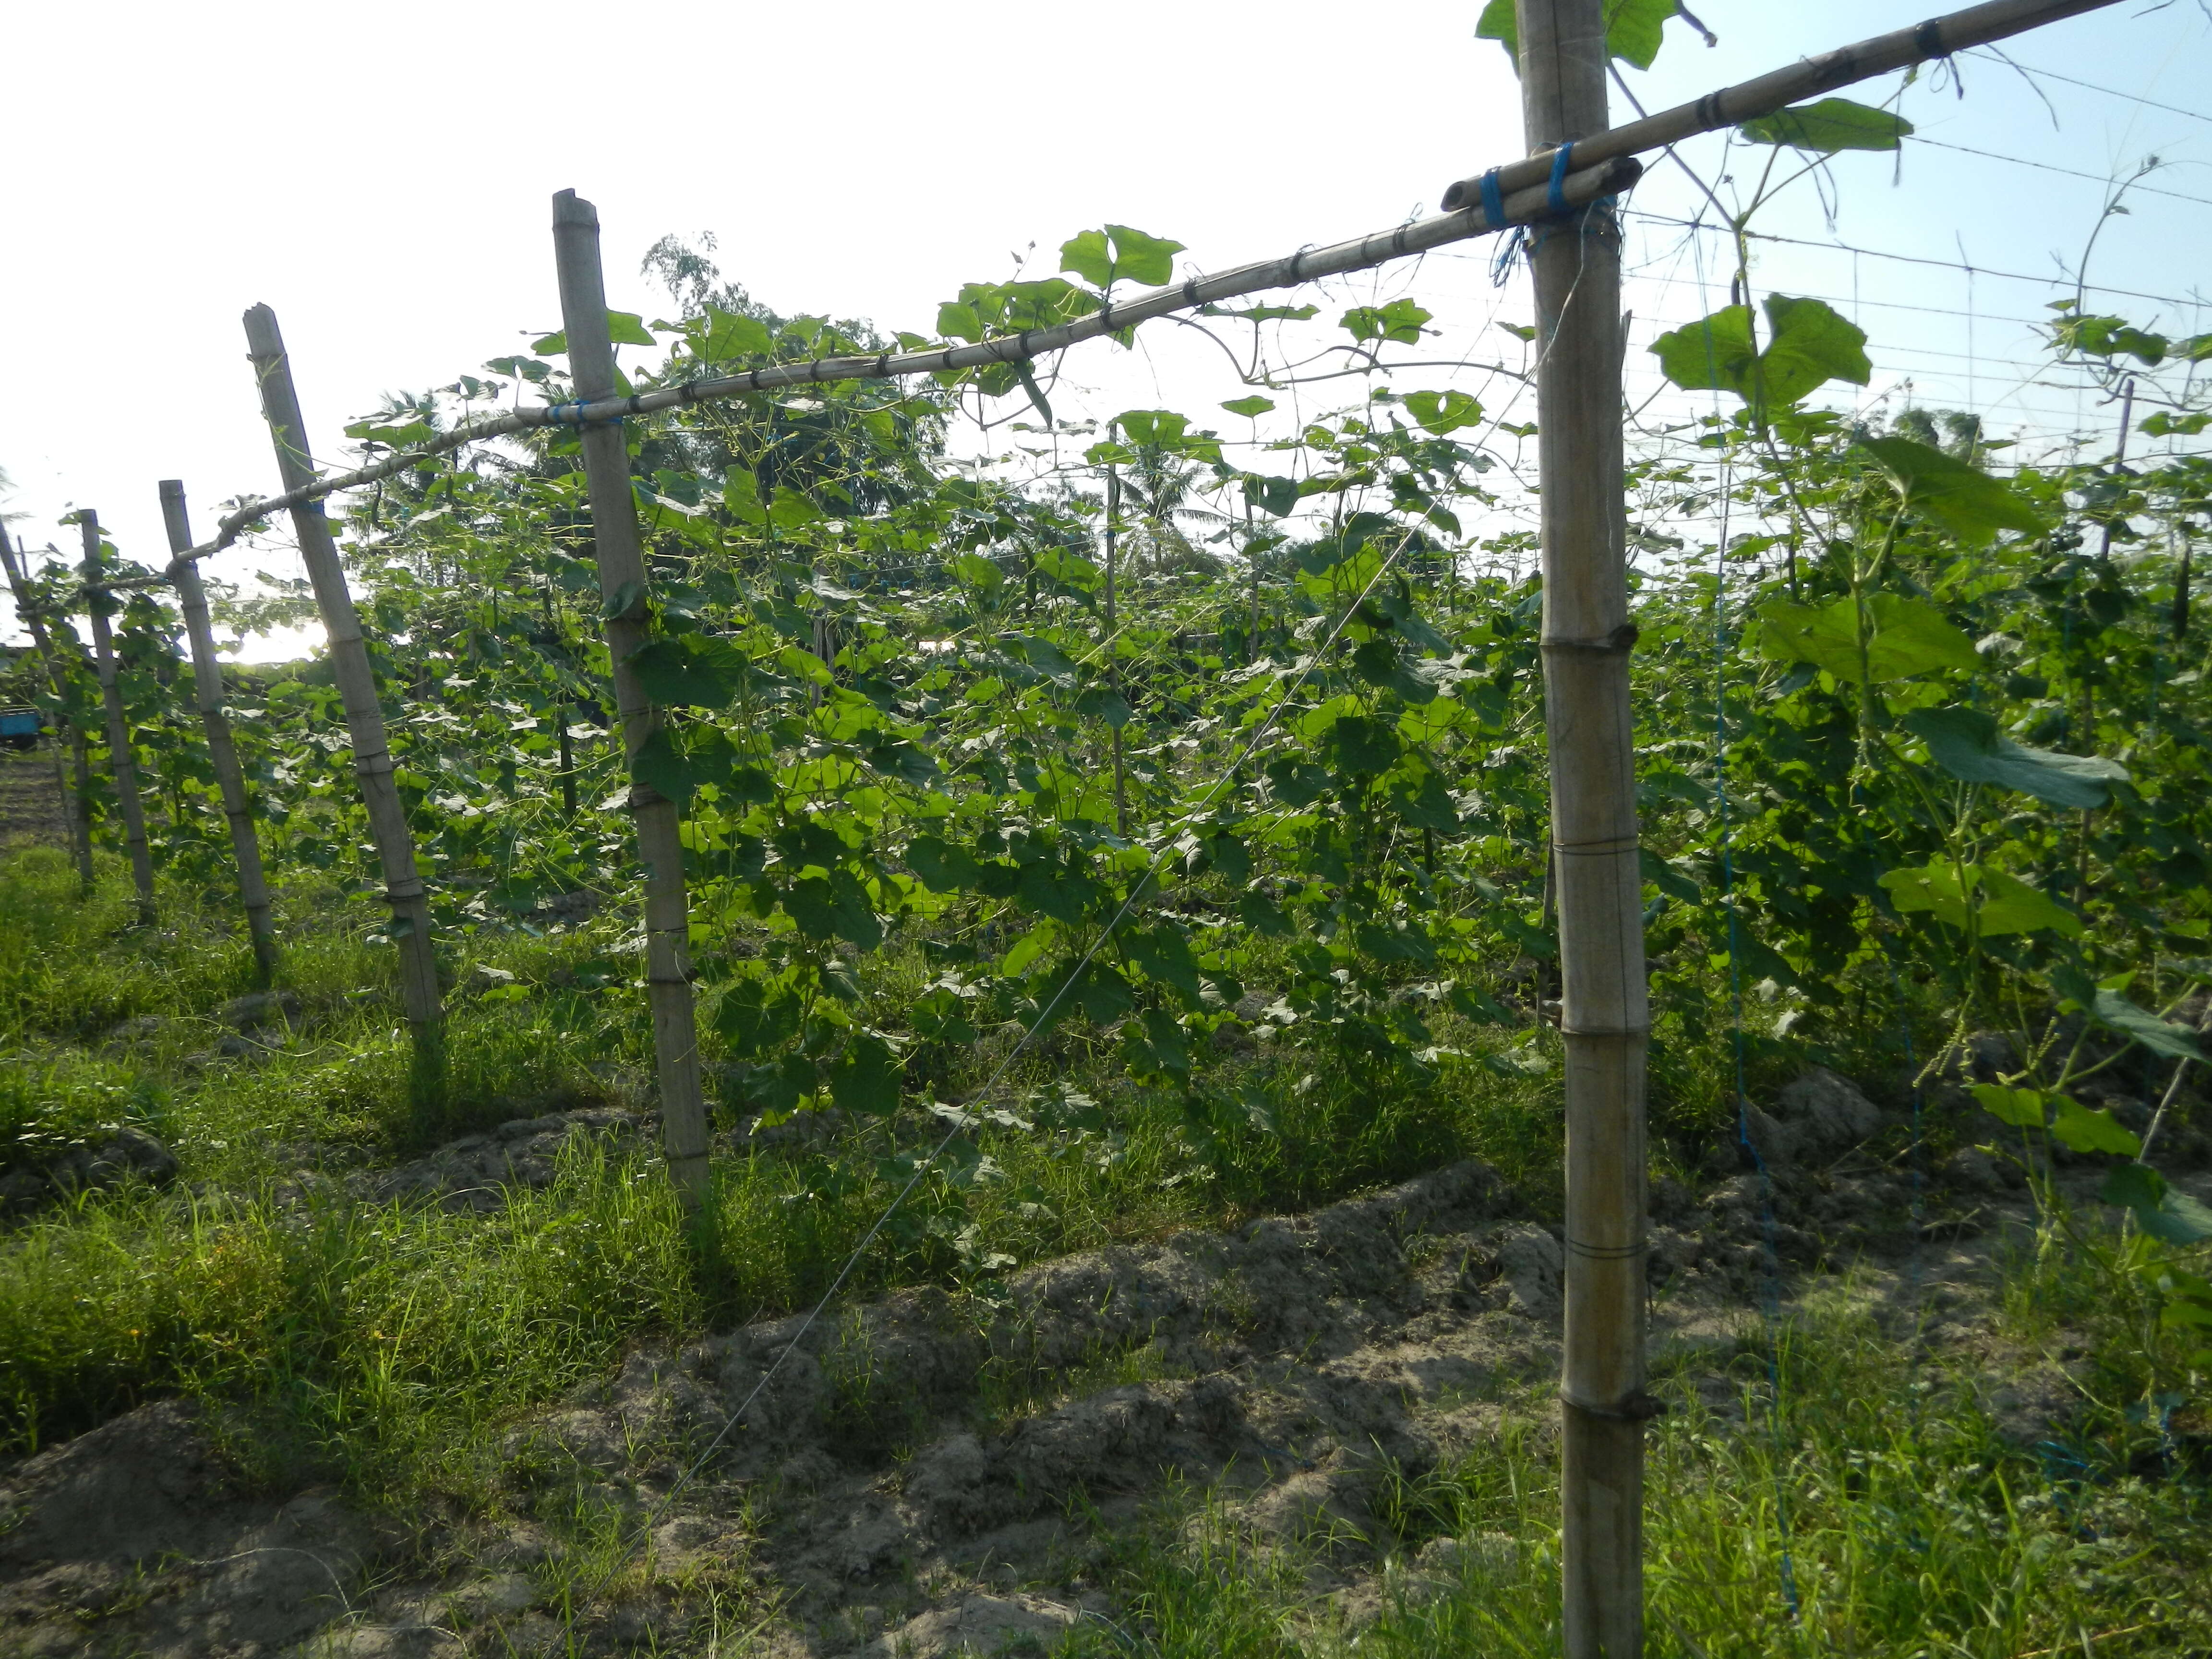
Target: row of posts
621, 560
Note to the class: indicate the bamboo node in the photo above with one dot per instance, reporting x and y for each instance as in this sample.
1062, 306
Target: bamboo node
1608, 1252
1636, 1407
1619, 643
1610, 848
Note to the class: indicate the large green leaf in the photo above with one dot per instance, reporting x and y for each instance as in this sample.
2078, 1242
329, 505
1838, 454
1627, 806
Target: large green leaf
867, 1078
2082, 1130
2020, 1109
1909, 637
2160, 1210
1443, 411
1399, 320
1957, 494
2008, 905
1966, 742
1809, 343
2159, 1036
660, 768
690, 671
1632, 28
717, 336
1164, 954
944, 867
1831, 125
1118, 254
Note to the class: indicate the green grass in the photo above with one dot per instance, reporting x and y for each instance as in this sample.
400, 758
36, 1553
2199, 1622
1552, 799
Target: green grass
395, 1348
390, 1346
1884, 1504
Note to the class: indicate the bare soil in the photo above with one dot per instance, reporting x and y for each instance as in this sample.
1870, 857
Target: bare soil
929, 1474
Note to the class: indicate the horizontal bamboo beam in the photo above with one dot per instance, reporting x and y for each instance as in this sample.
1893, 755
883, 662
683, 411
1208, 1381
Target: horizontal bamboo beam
1939, 37
1524, 207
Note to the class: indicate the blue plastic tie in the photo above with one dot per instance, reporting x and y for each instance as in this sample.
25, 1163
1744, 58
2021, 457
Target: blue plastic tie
1557, 202
1494, 200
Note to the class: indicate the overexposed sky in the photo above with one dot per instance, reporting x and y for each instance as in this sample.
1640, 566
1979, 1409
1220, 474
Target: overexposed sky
382, 178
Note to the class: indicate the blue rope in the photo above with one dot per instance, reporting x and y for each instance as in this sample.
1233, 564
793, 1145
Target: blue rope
1557, 201
1494, 200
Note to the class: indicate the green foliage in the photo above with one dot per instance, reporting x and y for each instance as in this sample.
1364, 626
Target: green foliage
1118, 254
1955, 494
1829, 126
1902, 637
1809, 343
1966, 742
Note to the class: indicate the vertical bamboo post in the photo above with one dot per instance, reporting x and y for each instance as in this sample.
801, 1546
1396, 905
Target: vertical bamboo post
2119, 457
621, 559
1605, 1017
1113, 640
356, 681
222, 749
120, 760
73, 790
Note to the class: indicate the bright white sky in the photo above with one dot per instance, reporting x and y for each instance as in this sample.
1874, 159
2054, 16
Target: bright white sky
382, 178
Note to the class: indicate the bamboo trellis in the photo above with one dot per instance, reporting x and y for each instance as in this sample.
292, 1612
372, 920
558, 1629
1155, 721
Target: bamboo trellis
1575, 162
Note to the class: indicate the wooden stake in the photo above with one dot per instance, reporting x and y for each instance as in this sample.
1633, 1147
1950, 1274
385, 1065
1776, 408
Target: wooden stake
357, 682
2119, 458
121, 761
222, 749
1605, 1017
1113, 640
73, 791
621, 559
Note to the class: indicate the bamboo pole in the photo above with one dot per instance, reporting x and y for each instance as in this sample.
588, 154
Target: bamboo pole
1605, 1017
356, 681
122, 762
621, 559
222, 748
1939, 37
1112, 638
73, 790
1308, 265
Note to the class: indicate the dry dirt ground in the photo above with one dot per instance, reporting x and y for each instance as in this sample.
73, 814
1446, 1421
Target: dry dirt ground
930, 1473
